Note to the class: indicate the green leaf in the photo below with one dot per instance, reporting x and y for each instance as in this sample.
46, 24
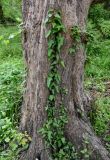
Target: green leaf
49, 79
13, 146
57, 77
6, 42
50, 52
63, 140
7, 139
1, 37
57, 16
72, 50
62, 63
48, 34
51, 97
49, 14
50, 43
46, 20
57, 88
49, 135
60, 42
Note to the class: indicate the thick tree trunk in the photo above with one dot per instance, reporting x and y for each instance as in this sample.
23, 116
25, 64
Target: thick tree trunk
74, 12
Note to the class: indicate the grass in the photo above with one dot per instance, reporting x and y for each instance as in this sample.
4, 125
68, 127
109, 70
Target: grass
11, 88
97, 71
10, 47
12, 9
12, 73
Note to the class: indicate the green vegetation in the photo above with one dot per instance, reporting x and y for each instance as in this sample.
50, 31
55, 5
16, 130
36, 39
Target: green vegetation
10, 43
98, 70
12, 72
98, 50
11, 10
11, 91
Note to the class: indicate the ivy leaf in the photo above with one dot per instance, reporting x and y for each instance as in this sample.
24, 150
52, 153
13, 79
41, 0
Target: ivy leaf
60, 42
50, 15
72, 50
62, 63
63, 140
49, 52
54, 24
57, 77
49, 79
50, 43
48, 34
62, 152
57, 88
46, 20
51, 97
57, 16
49, 135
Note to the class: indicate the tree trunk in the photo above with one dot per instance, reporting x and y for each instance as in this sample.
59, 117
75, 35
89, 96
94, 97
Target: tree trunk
74, 12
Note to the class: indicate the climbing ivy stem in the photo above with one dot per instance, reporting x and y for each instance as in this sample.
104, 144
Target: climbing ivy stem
53, 129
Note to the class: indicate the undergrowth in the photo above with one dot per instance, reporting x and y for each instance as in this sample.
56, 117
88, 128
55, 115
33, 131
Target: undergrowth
12, 9
97, 70
12, 72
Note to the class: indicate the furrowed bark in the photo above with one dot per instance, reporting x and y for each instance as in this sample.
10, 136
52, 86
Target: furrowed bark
74, 12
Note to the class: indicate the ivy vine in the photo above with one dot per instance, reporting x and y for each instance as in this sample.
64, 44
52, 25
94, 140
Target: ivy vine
79, 39
53, 129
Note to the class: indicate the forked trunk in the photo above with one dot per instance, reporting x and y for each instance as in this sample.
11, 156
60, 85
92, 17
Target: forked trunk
74, 12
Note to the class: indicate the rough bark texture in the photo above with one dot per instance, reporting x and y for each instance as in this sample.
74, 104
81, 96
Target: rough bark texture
74, 12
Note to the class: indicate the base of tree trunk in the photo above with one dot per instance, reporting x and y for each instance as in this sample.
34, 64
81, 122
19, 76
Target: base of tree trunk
78, 129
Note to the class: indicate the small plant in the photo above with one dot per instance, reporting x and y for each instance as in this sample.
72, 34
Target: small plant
79, 38
75, 35
85, 153
10, 42
11, 84
12, 142
12, 74
11, 10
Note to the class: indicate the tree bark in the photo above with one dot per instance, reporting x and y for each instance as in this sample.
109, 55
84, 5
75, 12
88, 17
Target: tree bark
74, 12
